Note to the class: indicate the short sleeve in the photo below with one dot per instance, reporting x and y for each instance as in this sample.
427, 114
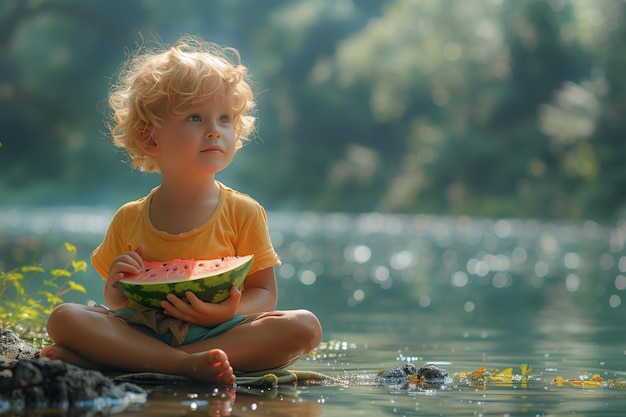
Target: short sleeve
112, 245
254, 238
115, 240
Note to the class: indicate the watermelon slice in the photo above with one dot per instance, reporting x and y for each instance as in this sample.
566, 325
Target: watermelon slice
210, 279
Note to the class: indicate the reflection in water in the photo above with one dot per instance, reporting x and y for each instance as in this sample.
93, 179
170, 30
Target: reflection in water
189, 399
464, 292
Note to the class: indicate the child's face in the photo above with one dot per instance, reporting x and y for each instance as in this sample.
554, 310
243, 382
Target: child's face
201, 139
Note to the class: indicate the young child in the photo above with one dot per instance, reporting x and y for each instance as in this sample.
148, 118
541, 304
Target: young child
184, 112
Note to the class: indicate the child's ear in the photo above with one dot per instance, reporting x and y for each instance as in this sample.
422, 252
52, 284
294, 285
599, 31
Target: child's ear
149, 145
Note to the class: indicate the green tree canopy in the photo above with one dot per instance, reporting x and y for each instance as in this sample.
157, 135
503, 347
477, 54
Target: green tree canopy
487, 108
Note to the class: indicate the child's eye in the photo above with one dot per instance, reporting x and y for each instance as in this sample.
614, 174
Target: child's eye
194, 118
225, 119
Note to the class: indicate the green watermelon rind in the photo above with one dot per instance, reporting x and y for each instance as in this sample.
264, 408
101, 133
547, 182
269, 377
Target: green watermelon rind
212, 289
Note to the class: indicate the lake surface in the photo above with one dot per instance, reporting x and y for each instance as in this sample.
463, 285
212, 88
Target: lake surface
464, 293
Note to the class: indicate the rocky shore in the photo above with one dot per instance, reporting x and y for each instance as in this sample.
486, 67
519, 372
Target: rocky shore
28, 382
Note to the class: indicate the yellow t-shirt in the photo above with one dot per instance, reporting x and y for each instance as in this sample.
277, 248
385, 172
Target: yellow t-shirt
237, 228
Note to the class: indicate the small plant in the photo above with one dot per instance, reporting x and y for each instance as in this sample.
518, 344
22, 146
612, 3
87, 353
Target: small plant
29, 293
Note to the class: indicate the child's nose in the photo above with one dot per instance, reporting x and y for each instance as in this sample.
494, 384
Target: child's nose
213, 132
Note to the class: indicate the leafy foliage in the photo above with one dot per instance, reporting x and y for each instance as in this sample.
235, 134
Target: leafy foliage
487, 108
28, 294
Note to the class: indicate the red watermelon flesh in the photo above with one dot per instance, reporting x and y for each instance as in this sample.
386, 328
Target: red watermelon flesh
184, 269
210, 279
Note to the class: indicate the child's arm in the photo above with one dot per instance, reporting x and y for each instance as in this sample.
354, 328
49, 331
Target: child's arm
259, 295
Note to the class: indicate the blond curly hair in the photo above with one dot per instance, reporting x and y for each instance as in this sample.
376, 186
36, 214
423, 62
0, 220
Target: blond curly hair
151, 83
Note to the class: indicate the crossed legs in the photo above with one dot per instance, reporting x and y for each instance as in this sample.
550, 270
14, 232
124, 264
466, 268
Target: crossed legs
91, 337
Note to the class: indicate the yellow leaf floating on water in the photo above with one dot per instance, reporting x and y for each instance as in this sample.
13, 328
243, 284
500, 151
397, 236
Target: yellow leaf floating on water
594, 381
585, 383
481, 377
618, 383
504, 376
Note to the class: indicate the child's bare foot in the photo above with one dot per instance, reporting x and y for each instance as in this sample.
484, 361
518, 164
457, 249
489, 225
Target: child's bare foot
211, 366
57, 352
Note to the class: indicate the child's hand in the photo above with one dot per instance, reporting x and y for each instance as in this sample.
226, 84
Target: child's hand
128, 263
201, 313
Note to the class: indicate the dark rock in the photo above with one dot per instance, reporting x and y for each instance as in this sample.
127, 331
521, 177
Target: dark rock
27, 374
13, 349
428, 374
29, 382
397, 375
432, 374
39, 383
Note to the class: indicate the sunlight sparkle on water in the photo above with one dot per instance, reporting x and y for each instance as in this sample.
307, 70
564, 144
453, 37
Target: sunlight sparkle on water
358, 295
542, 269
307, 277
572, 282
571, 260
286, 271
502, 280
620, 282
424, 301
401, 260
622, 264
359, 254
459, 279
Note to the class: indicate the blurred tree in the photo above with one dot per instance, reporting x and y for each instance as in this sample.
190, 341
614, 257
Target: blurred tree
596, 155
465, 90
489, 107
303, 124
50, 92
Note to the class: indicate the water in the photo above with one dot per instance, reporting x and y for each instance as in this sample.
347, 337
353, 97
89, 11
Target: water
462, 292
